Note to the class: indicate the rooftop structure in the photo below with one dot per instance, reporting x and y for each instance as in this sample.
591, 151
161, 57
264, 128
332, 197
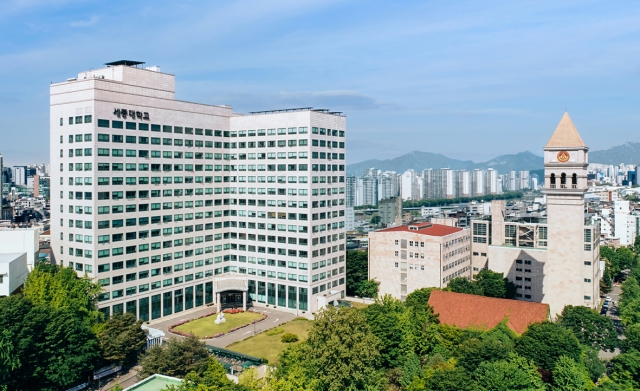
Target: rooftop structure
464, 310
428, 229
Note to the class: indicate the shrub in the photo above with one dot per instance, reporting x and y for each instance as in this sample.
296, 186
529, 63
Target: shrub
275, 331
289, 338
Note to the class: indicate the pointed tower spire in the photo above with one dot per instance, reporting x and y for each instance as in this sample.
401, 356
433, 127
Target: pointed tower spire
565, 135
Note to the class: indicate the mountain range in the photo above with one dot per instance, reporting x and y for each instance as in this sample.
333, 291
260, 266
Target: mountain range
628, 153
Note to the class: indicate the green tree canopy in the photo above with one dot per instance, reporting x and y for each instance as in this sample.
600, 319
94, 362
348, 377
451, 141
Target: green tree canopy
419, 298
625, 369
545, 343
214, 378
368, 288
357, 270
383, 318
121, 338
57, 287
495, 284
50, 347
463, 285
177, 357
341, 352
512, 374
569, 376
591, 328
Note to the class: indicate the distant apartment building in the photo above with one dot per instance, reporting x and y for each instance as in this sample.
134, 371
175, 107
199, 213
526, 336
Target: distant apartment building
390, 211
370, 190
388, 185
410, 257
625, 223
351, 189
553, 260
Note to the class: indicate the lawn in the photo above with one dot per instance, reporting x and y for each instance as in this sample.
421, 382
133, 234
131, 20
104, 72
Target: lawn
269, 346
358, 305
206, 327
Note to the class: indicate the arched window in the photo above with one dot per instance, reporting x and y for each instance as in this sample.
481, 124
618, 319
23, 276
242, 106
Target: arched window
574, 179
563, 179
553, 179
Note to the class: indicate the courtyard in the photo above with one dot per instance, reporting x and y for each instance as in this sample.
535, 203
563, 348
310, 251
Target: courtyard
204, 327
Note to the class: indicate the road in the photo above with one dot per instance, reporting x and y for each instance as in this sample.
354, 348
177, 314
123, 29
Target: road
614, 314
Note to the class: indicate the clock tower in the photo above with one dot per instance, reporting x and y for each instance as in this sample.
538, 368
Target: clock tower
570, 270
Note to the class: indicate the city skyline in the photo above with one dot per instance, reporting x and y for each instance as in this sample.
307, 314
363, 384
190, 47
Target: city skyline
430, 73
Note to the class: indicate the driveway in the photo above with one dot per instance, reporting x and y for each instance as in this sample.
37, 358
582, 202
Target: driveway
275, 318
614, 314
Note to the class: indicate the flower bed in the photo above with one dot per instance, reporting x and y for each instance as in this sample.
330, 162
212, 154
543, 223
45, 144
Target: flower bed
229, 311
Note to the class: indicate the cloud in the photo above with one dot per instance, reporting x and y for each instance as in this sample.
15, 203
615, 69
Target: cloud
333, 100
86, 23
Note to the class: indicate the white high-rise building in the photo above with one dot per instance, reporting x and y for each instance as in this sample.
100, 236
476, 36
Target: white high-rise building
625, 223
171, 205
477, 183
19, 175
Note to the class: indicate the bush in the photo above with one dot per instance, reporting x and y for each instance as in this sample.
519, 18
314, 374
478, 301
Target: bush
275, 331
289, 338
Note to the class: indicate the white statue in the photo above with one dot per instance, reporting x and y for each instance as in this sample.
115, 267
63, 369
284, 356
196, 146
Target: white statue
220, 318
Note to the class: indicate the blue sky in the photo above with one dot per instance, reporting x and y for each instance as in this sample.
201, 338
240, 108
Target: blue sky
468, 79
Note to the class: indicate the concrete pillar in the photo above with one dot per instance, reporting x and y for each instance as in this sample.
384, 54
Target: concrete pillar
218, 301
244, 301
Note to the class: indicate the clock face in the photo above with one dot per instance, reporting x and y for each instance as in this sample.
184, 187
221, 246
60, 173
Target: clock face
563, 156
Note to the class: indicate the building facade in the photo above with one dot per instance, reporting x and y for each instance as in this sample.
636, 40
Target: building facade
410, 257
171, 205
553, 260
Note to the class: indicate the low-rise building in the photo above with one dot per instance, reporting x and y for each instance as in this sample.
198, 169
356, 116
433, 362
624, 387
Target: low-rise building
410, 257
13, 272
21, 240
464, 310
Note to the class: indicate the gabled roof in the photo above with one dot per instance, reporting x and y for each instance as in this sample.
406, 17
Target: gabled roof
464, 310
424, 229
565, 135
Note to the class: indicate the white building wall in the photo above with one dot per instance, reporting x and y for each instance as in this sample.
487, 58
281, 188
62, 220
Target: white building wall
13, 272
21, 240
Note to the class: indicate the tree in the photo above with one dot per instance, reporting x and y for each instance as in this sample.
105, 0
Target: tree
513, 374
419, 298
591, 328
625, 369
463, 285
495, 284
449, 378
341, 352
592, 363
546, 342
368, 288
121, 338
630, 291
357, 270
58, 287
630, 312
50, 348
475, 351
632, 340
569, 376
176, 358
383, 318
213, 378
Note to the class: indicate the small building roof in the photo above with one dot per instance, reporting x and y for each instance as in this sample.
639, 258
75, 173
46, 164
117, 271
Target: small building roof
9, 257
123, 62
154, 383
428, 229
565, 135
464, 310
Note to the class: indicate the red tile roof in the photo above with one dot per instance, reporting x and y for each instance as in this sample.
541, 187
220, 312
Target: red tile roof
430, 229
464, 310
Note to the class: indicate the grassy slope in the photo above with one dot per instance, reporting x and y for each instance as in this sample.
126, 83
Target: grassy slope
270, 346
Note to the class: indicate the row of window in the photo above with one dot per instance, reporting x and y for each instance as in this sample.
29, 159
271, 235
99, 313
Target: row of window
457, 273
103, 123
78, 119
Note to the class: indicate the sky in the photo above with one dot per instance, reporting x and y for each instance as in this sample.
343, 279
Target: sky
467, 79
